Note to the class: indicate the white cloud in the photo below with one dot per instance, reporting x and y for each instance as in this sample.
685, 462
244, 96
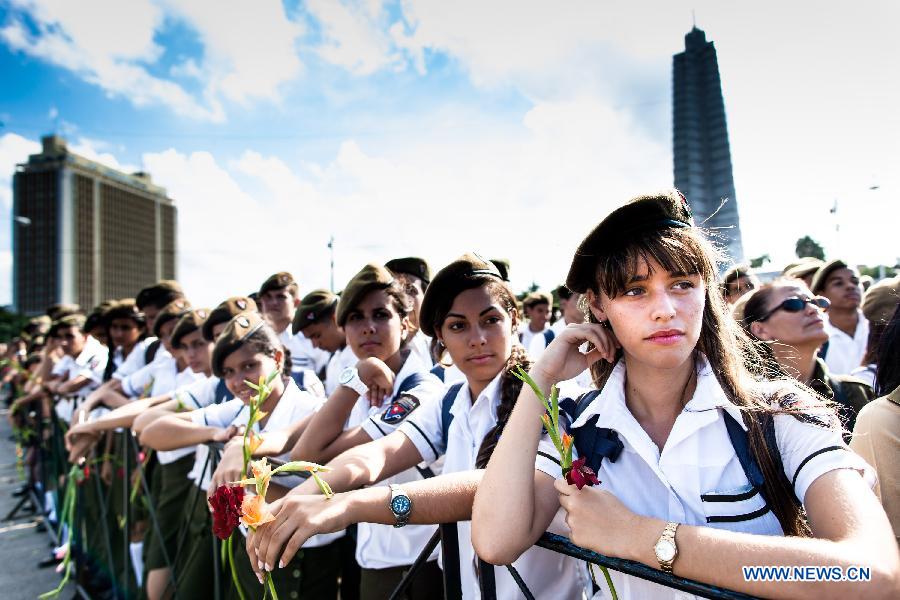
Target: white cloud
78, 37
101, 152
14, 149
248, 49
354, 36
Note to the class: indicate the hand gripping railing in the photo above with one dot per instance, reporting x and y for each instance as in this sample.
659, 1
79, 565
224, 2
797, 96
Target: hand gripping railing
556, 543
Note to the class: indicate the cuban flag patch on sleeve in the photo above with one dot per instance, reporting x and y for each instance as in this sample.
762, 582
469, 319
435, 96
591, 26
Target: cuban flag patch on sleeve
399, 409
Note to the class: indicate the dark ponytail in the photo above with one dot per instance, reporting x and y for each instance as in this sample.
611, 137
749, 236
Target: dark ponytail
510, 386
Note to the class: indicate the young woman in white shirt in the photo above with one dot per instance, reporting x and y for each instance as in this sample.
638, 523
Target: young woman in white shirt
472, 313
387, 384
671, 367
247, 349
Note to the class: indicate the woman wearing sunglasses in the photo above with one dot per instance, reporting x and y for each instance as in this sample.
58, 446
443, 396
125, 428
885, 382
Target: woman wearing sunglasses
790, 320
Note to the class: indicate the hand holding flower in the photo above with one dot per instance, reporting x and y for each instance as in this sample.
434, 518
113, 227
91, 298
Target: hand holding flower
600, 522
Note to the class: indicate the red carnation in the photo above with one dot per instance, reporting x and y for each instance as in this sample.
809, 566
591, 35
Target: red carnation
226, 507
581, 475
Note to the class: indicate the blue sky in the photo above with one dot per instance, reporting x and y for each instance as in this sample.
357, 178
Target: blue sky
432, 128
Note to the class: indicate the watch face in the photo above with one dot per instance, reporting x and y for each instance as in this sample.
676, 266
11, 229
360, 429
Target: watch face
346, 376
665, 550
401, 505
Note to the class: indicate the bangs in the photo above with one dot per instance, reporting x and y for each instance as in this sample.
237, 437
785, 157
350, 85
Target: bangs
681, 251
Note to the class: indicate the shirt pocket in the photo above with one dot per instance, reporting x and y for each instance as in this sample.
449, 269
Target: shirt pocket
738, 509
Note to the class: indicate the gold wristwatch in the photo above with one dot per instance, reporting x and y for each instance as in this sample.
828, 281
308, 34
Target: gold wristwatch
666, 550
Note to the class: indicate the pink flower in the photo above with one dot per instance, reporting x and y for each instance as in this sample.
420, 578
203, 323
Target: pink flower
226, 507
581, 475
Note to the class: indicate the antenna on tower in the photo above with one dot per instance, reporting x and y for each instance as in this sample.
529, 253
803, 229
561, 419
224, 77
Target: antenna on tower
694, 18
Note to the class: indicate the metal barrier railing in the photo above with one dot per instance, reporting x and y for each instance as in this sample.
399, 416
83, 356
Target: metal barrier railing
446, 534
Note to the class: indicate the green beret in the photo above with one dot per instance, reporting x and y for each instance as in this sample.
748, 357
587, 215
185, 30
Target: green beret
466, 272
225, 312
563, 293
502, 265
371, 277
313, 306
806, 266
411, 265
278, 281
69, 321
821, 276
170, 312
39, 325
124, 309
639, 215
881, 300
58, 311
233, 336
189, 323
159, 294
535, 298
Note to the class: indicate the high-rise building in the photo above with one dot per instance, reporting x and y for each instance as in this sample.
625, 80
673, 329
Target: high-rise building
700, 139
94, 233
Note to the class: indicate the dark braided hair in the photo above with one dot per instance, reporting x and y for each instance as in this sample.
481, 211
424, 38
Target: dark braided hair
510, 386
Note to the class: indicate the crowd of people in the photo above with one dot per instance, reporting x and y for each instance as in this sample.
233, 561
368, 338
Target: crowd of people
738, 421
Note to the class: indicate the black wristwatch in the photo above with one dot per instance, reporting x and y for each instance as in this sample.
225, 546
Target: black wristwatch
400, 505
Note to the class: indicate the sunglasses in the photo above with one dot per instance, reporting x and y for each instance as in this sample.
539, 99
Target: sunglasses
796, 304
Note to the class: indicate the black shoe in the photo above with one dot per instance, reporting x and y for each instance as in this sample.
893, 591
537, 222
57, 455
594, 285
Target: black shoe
21, 491
50, 561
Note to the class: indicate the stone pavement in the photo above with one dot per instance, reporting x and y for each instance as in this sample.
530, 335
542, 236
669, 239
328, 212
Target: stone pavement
22, 546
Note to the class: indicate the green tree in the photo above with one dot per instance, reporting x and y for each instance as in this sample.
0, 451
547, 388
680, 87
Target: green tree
875, 272
759, 261
806, 246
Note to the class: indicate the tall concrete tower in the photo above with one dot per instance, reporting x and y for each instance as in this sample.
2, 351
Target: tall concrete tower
700, 140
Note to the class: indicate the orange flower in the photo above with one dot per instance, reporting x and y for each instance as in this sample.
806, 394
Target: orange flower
255, 512
253, 441
261, 469
567, 441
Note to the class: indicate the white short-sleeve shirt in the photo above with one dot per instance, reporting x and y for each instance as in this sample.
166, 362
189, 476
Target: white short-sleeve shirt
136, 358
697, 479
421, 345
293, 405
547, 574
384, 546
340, 360
90, 363
303, 354
845, 353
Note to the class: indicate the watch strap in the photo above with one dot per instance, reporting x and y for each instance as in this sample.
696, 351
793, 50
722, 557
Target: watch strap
668, 535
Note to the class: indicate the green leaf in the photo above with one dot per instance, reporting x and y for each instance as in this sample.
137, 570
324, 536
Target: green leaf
299, 466
251, 385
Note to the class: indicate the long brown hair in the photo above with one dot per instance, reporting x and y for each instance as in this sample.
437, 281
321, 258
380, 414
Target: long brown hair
510, 386
734, 358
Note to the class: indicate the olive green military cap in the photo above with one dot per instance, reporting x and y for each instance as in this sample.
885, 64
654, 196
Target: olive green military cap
805, 267
170, 312
411, 265
278, 281
189, 323
821, 276
502, 265
159, 294
639, 215
881, 299
76, 320
233, 336
58, 311
466, 272
312, 307
225, 312
124, 309
371, 277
